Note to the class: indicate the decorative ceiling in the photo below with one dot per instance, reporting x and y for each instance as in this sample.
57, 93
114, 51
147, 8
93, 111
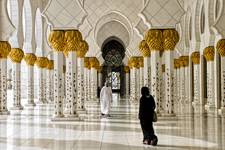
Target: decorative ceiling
126, 20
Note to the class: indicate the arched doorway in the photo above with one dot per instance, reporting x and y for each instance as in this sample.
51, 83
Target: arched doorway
113, 53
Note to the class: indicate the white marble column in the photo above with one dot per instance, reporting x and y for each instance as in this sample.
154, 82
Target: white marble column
147, 72
197, 104
3, 93
155, 81
49, 84
169, 69
137, 80
100, 79
176, 83
89, 84
80, 83
163, 91
182, 86
170, 39
71, 80
58, 91
16, 83
93, 84
211, 101
133, 86
223, 85
127, 82
16, 56
0, 87
220, 48
42, 63
30, 86
141, 69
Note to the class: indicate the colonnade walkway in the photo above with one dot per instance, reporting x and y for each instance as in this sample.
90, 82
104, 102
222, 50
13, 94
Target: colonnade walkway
121, 131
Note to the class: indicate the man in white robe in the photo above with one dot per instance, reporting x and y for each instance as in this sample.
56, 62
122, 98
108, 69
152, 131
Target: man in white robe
106, 99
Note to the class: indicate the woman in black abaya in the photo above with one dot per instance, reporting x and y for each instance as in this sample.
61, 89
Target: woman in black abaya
146, 110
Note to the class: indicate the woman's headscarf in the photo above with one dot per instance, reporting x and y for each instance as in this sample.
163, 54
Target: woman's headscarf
145, 91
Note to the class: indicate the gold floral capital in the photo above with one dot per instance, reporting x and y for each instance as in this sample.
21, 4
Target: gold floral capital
177, 63
50, 65
170, 39
220, 46
30, 59
184, 61
5, 49
195, 57
141, 62
209, 53
72, 39
42, 62
16, 55
87, 63
133, 62
94, 63
83, 49
143, 47
154, 39
56, 40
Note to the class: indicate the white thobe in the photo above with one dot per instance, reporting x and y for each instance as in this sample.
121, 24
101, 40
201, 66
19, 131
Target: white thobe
105, 99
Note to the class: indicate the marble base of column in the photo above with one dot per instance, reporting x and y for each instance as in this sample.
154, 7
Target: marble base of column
222, 111
198, 108
211, 110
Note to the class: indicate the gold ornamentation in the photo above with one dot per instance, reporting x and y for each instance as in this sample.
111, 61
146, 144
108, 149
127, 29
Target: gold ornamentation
5, 49
195, 57
133, 62
209, 53
143, 47
220, 46
94, 63
30, 59
87, 63
154, 39
41, 62
170, 39
177, 63
83, 49
126, 69
16, 55
184, 61
141, 62
72, 39
56, 40
163, 67
50, 65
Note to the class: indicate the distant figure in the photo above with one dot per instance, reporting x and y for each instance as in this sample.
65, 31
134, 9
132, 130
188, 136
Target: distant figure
146, 110
105, 99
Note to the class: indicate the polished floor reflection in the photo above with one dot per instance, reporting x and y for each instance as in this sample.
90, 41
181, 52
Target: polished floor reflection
119, 132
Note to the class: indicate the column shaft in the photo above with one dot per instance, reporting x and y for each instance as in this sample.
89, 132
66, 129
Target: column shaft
16, 89
93, 83
3, 77
58, 91
71, 79
30, 85
155, 81
147, 72
41, 86
80, 83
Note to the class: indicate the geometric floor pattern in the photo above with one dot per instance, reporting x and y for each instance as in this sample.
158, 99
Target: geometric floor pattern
121, 131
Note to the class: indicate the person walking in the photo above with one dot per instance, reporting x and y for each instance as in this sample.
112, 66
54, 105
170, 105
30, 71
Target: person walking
106, 99
146, 111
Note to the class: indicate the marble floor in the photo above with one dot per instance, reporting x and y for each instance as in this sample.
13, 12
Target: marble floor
121, 131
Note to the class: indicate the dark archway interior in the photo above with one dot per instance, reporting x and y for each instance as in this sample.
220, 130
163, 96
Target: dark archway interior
113, 52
